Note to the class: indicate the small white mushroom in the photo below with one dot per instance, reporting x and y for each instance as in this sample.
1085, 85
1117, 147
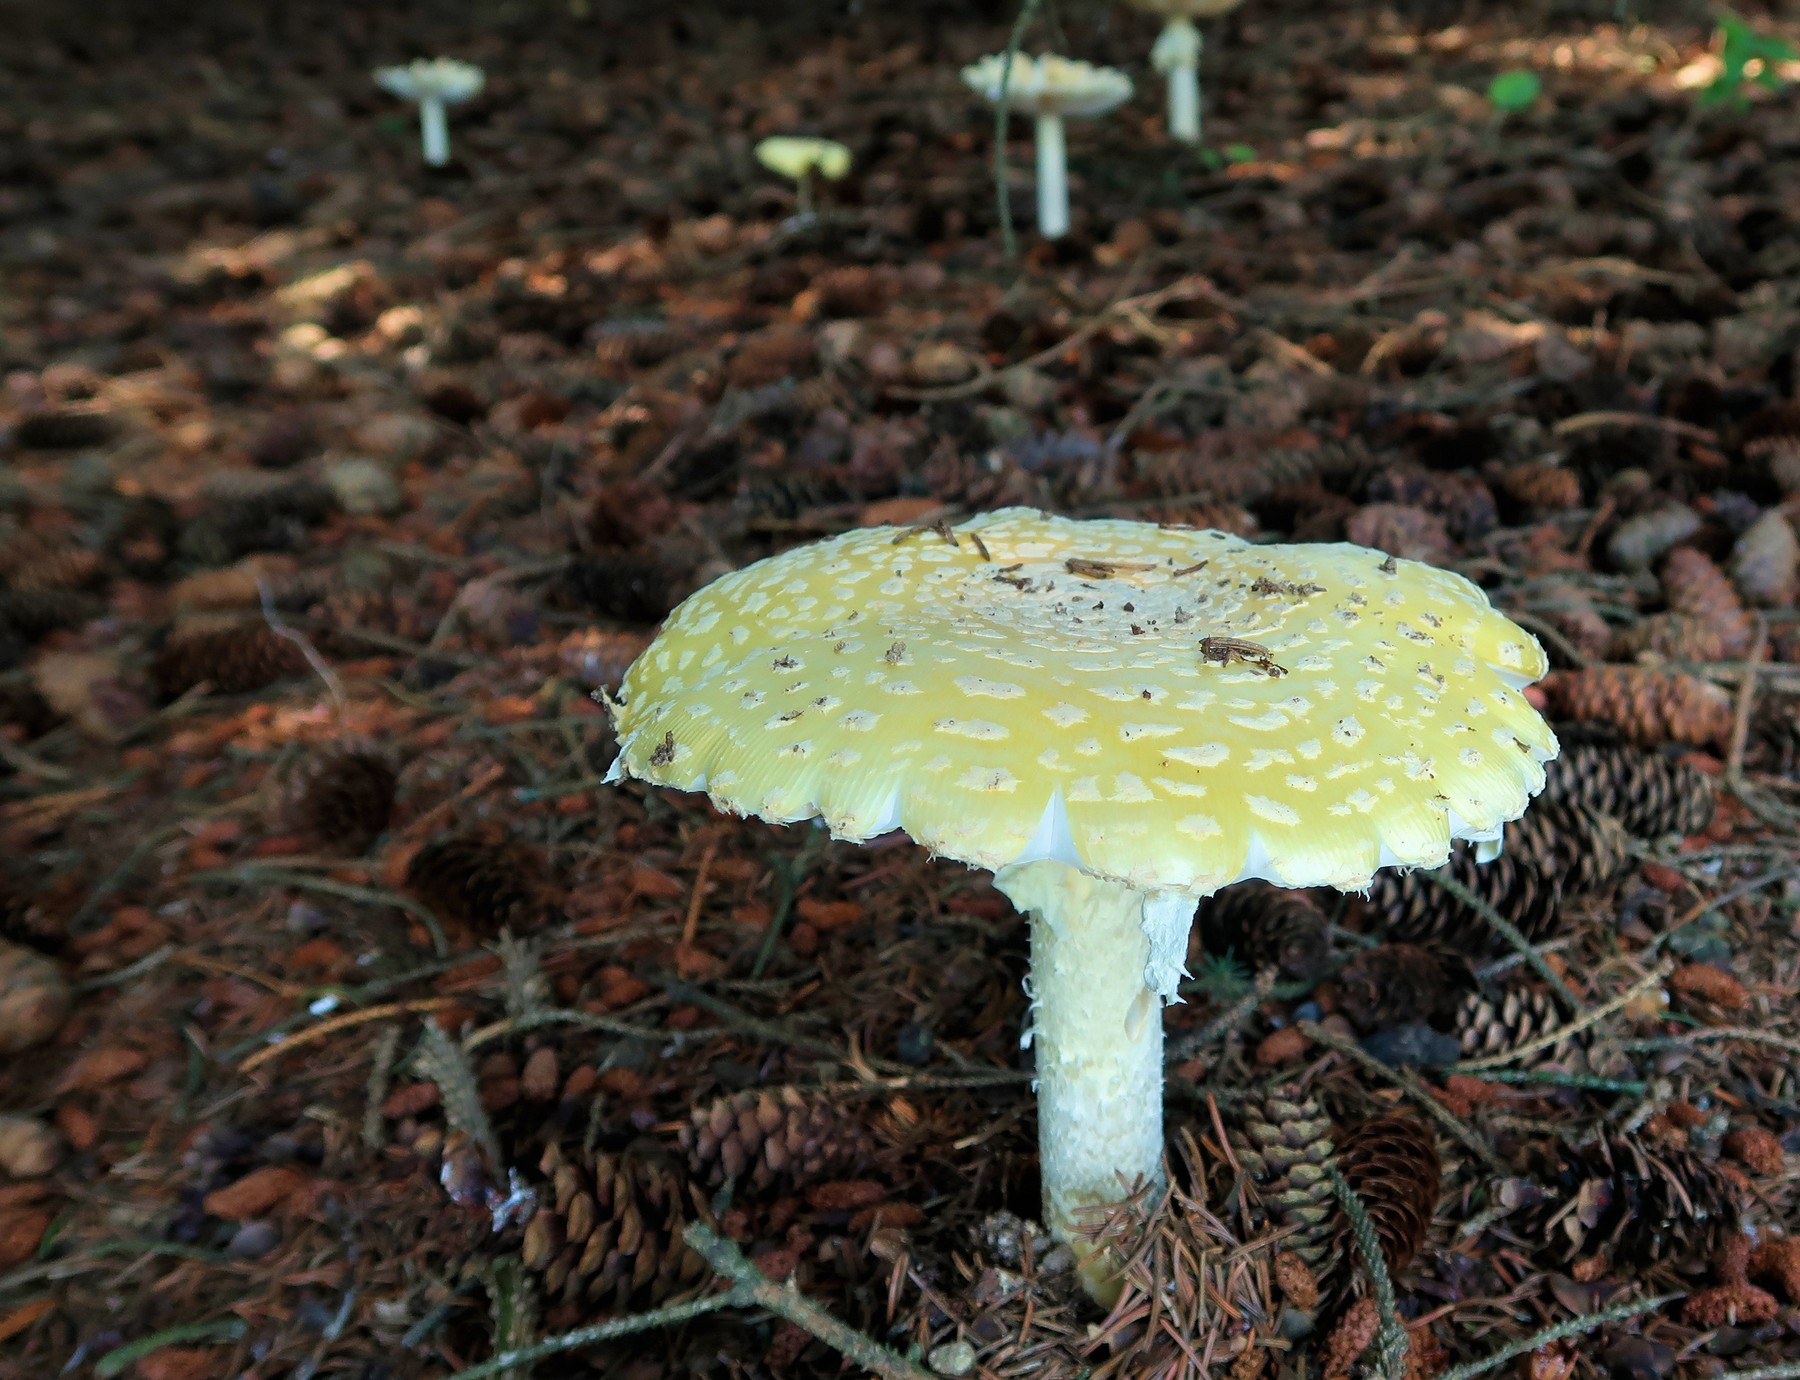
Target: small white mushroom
799, 158
1177, 56
1050, 88
434, 83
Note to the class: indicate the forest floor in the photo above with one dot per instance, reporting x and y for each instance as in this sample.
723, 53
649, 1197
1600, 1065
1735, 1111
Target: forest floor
351, 1026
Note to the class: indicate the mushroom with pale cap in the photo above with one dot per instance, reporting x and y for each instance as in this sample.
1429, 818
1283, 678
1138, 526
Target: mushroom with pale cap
434, 83
799, 158
1050, 88
1177, 56
1118, 719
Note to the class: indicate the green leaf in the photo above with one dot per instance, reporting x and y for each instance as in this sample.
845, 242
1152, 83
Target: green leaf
1739, 46
1210, 158
1239, 153
1515, 89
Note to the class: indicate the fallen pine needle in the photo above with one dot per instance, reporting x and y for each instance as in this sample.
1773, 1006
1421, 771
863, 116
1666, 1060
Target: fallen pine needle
313, 1034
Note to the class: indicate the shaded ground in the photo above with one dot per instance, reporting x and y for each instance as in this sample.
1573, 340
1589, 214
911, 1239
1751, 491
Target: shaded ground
468, 435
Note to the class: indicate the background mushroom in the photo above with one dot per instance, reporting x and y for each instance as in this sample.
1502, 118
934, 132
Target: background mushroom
1177, 56
1050, 88
800, 158
434, 83
1117, 719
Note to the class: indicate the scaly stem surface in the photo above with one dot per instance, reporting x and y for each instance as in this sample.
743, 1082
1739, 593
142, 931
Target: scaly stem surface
1052, 178
1097, 1031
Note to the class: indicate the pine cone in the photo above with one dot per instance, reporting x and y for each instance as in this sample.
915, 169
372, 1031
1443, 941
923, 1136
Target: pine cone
1400, 530
1693, 585
608, 1230
855, 290
1488, 1027
1413, 908
484, 886
1640, 1207
772, 355
1757, 1148
344, 797
1267, 926
1648, 794
1585, 850
1391, 984
1205, 470
633, 588
1648, 706
34, 999
64, 428
273, 517
234, 660
31, 562
1205, 517
1542, 489
36, 613
1284, 1144
1392, 1162
768, 1137
1348, 1339
1678, 637
636, 344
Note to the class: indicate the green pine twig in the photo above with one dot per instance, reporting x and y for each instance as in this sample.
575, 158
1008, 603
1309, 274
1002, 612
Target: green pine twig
1390, 1339
788, 1302
1511, 933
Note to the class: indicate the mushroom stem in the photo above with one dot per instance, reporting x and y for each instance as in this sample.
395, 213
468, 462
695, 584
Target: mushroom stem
1177, 56
1096, 1026
1184, 104
434, 131
803, 197
1052, 178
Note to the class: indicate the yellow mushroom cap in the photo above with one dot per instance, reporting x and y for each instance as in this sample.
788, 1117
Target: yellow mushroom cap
1027, 686
793, 156
1049, 85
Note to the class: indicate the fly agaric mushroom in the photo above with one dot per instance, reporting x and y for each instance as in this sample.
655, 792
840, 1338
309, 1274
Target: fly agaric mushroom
1118, 719
1050, 88
433, 83
799, 158
1177, 56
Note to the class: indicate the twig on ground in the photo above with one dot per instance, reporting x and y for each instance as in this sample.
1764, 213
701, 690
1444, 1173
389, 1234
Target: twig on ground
314, 1033
1510, 932
1229, 1019
333, 686
300, 881
1585, 1021
1390, 1340
1188, 288
1587, 421
518, 1025
788, 1302
1570, 1327
1408, 1080
1712, 1032
602, 1332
